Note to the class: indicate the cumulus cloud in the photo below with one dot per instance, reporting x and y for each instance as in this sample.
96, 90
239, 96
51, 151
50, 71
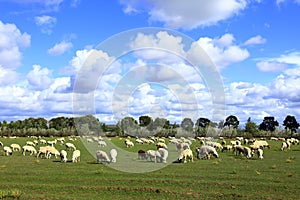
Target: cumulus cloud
279, 63
60, 48
46, 23
255, 40
7, 76
180, 14
223, 51
271, 66
38, 78
12, 40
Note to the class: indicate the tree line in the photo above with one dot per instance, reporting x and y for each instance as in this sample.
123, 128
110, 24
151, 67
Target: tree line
146, 126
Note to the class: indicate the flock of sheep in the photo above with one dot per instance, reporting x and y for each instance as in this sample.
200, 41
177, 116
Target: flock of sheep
45, 148
206, 148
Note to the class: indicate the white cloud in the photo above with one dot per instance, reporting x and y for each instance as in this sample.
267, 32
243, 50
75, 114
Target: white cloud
11, 41
60, 48
222, 51
255, 40
279, 63
271, 66
46, 23
7, 76
38, 78
47, 5
187, 15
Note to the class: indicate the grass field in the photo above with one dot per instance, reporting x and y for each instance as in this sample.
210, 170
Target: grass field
228, 177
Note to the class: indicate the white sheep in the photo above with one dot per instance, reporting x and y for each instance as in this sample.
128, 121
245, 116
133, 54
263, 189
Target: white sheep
1, 144
244, 150
30, 149
102, 143
285, 145
161, 145
163, 154
15, 147
7, 150
139, 141
128, 143
63, 156
205, 151
113, 155
30, 143
52, 151
152, 154
70, 146
52, 142
102, 157
76, 156
186, 154
43, 150
42, 141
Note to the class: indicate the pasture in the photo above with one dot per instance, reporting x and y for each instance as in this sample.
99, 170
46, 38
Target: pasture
226, 177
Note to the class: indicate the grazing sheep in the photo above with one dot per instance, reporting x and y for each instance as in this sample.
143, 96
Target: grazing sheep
262, 143
7, 150
52, 151
63, 156
29, 143
42, 141
128, 143
113, 155
227, 147
30, 149
52, 143
76, 156
186, 154
163, 154
142, 155
285, 145
205, 151
139, 141
61, 140
161, 145
102, 143
102, 157
244, 150
152, 154
70, 146
43, 150
15, 147
1, 144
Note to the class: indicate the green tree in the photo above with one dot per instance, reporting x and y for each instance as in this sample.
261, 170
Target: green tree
251, 128
291, 124
268, 124
145, 120
232, 122
187, 124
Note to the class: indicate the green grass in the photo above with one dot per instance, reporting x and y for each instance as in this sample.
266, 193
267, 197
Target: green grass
229, 177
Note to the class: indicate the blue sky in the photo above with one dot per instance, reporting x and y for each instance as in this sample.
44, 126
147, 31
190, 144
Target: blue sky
44, 46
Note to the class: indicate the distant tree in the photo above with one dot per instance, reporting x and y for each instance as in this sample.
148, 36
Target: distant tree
251, 127
203, 122
221, 124
187, 124
128, 125
268, 124
232, 121
291, 124
145, 120
201, 126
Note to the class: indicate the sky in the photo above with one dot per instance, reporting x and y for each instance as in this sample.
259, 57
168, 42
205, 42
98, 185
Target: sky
171, 59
